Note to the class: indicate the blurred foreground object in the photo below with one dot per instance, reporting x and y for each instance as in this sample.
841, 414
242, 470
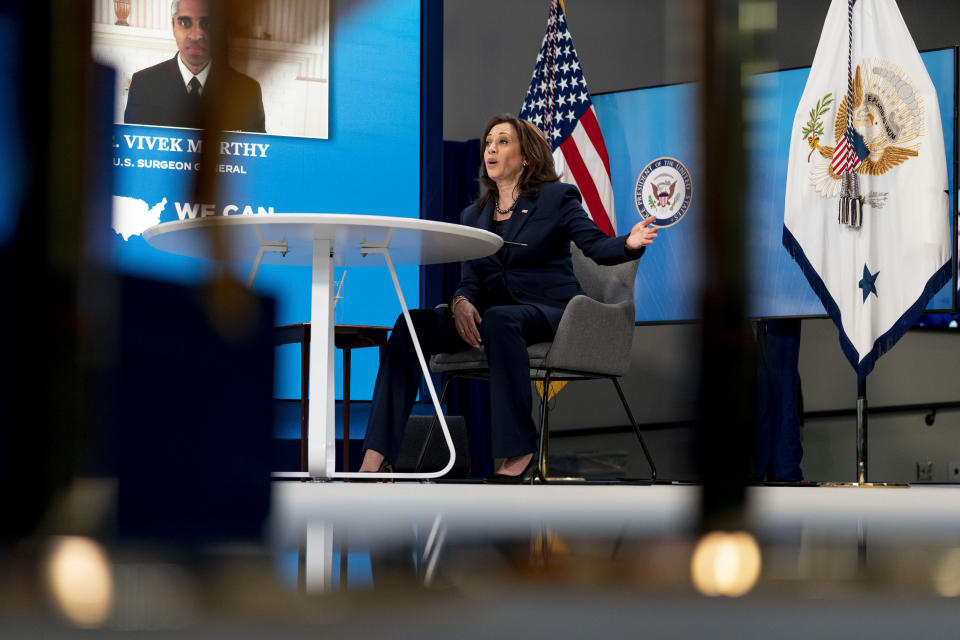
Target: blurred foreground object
725, 564
64, 365
61, 154
79, 579
728, 374
194, 411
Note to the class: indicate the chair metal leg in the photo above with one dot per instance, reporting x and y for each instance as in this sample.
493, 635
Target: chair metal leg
636, 430
544, 425
433, 424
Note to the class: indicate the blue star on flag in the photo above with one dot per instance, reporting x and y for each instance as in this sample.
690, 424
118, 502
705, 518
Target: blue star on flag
868, 283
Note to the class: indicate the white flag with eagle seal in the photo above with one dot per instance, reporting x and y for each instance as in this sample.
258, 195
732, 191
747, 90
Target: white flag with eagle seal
876, 278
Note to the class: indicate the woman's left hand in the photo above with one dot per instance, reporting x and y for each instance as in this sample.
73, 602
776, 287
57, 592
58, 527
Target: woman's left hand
642, 234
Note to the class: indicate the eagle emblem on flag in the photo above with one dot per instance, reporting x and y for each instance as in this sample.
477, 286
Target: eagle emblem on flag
888, 117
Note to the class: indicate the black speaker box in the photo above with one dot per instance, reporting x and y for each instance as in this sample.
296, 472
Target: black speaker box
437, 454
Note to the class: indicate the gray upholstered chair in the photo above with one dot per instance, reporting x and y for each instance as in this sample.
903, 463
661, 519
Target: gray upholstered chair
593, 341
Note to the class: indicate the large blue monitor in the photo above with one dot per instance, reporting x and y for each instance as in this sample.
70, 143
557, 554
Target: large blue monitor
362, 156
654, 132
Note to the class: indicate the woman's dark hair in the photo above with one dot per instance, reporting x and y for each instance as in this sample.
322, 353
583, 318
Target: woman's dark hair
534, 149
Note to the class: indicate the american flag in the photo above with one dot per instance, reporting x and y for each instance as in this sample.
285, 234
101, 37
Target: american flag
843, 161
558, 102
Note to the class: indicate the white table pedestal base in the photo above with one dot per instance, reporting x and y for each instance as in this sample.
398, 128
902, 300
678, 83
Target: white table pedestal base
321, 419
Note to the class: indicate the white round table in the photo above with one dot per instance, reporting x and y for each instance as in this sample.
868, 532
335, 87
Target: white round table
325, 240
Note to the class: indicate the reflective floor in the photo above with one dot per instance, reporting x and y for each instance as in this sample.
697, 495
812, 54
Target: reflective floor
468, 560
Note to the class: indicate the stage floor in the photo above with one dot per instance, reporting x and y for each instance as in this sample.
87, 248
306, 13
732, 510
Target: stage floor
438, 560
810, 536
920, 512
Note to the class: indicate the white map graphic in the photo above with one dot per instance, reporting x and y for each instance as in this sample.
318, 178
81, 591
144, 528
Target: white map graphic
131, 216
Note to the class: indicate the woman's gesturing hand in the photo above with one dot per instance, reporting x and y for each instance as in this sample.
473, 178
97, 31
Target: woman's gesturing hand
467, 320
642, 234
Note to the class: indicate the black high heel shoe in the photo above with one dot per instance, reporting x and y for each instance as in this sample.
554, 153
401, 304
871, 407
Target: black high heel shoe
526, 476
385, 467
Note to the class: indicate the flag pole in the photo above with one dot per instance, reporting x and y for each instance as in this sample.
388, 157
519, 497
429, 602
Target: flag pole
863, 479
862, 430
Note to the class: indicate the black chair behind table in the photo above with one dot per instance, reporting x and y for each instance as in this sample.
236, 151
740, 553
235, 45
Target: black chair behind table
593, 341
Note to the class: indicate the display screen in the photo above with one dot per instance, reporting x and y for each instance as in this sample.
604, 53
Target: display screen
654, 145
340, 92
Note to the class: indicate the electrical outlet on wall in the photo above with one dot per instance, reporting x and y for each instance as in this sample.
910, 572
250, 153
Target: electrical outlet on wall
953, 471
925, 471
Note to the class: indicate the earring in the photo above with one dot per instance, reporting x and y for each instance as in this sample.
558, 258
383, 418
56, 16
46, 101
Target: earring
525, 164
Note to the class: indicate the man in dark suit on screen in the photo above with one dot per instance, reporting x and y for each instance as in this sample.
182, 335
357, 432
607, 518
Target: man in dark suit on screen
170, 93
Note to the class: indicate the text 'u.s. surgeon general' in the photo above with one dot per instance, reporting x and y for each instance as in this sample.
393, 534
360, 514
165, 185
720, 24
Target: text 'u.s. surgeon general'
172, 144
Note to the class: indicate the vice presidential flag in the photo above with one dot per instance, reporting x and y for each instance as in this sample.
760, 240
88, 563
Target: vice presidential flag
879, 121
558, 102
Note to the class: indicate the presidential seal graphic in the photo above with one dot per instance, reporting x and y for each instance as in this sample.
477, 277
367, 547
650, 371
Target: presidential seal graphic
664, 191
888, 126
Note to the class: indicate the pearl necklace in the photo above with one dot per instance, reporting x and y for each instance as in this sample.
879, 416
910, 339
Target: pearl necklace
504, 212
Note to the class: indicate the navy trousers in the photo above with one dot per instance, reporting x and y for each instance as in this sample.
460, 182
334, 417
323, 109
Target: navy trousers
778, 448
505, 330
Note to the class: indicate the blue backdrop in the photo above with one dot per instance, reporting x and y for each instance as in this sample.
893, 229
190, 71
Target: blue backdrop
370, 164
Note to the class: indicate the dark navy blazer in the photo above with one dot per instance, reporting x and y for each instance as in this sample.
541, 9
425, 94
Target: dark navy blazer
541, 273
158, 96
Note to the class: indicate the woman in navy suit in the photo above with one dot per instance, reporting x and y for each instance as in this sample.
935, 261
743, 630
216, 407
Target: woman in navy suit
505, 301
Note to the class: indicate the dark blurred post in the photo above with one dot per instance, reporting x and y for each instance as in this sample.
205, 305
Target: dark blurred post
42, 423
195, 468
230, 307
726, 412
